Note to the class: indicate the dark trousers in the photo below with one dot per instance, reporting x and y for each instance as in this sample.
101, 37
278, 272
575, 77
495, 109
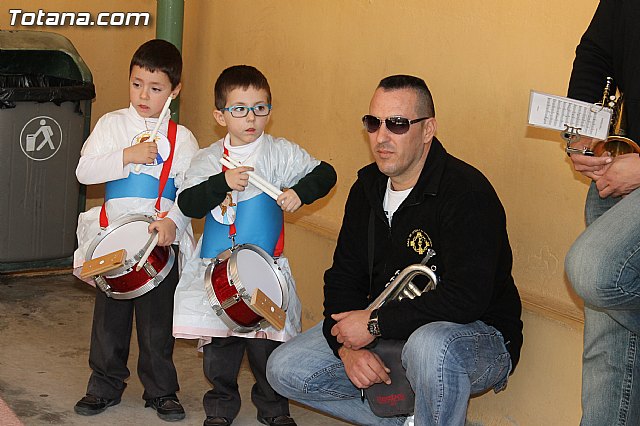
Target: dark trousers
222, 359
111, 338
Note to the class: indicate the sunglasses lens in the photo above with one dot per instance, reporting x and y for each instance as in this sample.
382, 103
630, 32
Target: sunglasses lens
397, 125
371, 123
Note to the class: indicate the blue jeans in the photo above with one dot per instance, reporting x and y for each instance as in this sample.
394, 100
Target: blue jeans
445, 363
603, 266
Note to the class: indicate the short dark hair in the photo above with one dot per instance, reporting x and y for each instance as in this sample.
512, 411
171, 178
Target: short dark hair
239, 76
159, 55
425, 100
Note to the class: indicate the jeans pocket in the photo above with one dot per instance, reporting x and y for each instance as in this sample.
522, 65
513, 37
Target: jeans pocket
495, 376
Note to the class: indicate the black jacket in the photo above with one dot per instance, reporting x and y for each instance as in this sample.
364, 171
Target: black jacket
611, 48
455, 210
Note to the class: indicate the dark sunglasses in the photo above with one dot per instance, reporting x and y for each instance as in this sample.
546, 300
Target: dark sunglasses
398, 125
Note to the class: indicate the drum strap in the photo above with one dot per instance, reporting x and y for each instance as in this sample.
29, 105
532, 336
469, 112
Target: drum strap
166, 166
232, 227
164, 176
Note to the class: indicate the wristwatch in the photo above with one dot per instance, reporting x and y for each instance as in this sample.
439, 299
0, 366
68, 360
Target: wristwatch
372, 325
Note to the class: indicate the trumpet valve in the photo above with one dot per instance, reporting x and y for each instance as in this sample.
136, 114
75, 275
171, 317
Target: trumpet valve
411, 291
414, 289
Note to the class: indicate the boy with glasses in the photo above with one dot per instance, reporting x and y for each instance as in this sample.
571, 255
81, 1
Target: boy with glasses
237, 212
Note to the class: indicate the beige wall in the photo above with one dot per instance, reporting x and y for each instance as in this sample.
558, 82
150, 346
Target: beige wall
323, 59
481, 59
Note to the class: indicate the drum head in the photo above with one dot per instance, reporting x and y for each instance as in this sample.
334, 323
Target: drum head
131, 236
256, 272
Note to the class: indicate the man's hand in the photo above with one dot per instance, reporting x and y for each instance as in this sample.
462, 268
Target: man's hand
237, 178
591, 167
166, 231
621, 177
140, 153
351, 329
363, 367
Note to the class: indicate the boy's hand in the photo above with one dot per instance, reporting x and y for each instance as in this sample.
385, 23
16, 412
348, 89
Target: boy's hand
140, 153
289, 201
237, 178
166, 231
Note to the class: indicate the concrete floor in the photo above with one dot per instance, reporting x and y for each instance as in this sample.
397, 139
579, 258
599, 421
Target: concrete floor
45, 325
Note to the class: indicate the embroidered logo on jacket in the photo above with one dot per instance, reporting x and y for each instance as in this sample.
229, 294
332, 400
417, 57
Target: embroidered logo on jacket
419, 241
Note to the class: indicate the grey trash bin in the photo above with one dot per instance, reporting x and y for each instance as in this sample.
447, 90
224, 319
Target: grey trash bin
45, 112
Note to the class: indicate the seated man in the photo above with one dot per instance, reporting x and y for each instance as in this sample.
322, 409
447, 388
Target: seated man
464, 337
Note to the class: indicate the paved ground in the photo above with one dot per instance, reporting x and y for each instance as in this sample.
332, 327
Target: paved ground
45, 324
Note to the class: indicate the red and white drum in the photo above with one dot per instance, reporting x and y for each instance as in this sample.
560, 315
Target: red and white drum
231, 280
130, 233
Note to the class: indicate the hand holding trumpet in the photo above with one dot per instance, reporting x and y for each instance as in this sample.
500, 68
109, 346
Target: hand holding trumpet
619, 177
591, 166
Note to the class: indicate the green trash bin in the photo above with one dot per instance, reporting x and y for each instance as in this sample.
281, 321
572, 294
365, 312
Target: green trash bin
45, 115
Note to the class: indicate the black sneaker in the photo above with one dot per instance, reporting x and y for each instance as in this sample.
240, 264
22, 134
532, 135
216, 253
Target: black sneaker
277, 421
168, 407
91, 405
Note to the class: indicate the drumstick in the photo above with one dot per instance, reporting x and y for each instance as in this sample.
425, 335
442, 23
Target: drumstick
146, 254
257, 177
254, 179
154, 132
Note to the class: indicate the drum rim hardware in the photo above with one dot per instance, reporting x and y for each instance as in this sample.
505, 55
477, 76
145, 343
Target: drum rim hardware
242, 295
156, 277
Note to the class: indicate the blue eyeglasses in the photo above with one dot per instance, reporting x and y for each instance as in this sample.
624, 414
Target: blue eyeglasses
239, 111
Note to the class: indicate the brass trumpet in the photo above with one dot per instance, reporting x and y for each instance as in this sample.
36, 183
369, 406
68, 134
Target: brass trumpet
401, 286
617, 143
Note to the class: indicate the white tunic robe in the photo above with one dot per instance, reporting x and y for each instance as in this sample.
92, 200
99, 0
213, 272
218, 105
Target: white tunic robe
102, 161
283, 164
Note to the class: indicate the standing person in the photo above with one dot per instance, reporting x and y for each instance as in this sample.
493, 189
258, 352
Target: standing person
603, 262
110, 155
465, 336
243, 106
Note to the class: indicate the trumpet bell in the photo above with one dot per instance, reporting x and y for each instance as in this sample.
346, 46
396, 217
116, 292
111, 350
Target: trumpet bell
616, 145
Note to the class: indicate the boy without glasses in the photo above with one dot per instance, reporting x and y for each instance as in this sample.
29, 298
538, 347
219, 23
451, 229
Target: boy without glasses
243, 106
110, 155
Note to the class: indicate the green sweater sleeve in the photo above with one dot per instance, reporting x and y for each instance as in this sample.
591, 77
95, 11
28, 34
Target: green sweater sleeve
316, 184
198, 200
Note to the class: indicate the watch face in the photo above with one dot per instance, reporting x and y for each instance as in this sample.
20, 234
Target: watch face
372, 325
374, 328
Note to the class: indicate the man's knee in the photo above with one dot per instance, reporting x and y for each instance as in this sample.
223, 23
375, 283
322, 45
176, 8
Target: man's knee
602, 280
583, 271
279, 367
442, 344
427, 344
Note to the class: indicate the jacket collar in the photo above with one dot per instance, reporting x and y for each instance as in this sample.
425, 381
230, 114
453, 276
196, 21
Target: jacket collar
428, 183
